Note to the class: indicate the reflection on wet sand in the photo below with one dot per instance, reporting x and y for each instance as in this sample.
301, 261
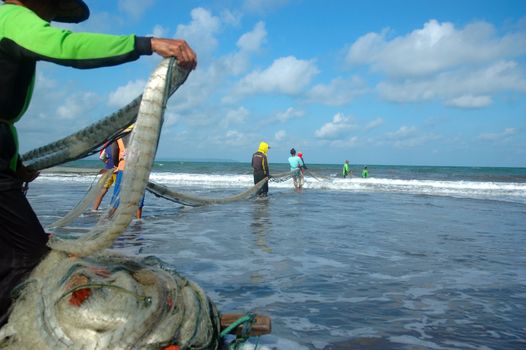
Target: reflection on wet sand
261, 224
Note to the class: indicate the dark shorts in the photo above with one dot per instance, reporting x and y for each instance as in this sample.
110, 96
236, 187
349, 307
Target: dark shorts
22, 244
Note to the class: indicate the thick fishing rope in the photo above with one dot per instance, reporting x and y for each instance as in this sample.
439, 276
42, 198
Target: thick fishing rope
317, 177
246, 323
88, 198
140, 157
107, 320
194, 201
86, 141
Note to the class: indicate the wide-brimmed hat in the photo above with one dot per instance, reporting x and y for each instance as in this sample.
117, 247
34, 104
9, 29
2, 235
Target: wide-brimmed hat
71, 11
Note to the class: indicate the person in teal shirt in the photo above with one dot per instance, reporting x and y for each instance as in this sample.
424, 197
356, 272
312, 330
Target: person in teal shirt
365, 172
296, 163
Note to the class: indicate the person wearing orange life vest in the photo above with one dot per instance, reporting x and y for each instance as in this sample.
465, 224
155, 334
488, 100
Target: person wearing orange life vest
109, 158
119, 172
261, 168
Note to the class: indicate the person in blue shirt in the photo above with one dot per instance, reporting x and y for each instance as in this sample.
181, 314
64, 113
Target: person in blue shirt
296, 163
109, 158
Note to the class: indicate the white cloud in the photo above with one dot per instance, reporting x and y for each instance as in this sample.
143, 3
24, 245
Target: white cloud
498, 136
338, 92
209, 81
125, 94
338, 126
135, 8
171, 119
57, 109
500, 76
463, 67
374, 124
44, 83
235, 138
232, 18
235, 116
434, 48
286, 75
201, 31
253, 40
159, 31
280, 135
346, 143
470, 101
403, 132
263, 6
202, 84
99, 22
238, 62
235, 63
410, 137
75, 106
286, 115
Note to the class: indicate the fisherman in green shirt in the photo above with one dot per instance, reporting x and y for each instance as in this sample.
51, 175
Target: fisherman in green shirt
27, 37
365, 172
346, 170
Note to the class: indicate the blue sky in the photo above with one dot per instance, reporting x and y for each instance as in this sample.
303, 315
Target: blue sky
375, 82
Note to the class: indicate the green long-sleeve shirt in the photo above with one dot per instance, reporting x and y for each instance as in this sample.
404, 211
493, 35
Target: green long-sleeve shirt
25, 39
346, 169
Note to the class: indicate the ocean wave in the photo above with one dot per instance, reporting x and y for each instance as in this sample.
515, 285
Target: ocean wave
508, 191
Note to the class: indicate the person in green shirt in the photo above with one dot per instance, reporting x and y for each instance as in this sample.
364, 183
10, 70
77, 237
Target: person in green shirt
365, 172
346, 170
27, 37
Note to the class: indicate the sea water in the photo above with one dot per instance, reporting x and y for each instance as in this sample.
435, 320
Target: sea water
409, 258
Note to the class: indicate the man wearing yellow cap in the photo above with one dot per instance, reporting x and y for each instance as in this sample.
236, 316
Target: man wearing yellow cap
27, 37
260, 166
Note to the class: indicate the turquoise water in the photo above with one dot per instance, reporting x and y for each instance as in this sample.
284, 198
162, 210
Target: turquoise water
411, 258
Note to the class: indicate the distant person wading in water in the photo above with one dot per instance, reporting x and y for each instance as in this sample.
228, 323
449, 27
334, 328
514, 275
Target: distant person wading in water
365, 172
346, 170
296, 163
260, 166
27, 37
120, 171
109, 158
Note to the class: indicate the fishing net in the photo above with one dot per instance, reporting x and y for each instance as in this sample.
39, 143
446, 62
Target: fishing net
92, 192
109, 302
282, 177
82, 297
194, 201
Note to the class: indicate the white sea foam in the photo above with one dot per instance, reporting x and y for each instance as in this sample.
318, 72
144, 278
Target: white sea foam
507, 191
